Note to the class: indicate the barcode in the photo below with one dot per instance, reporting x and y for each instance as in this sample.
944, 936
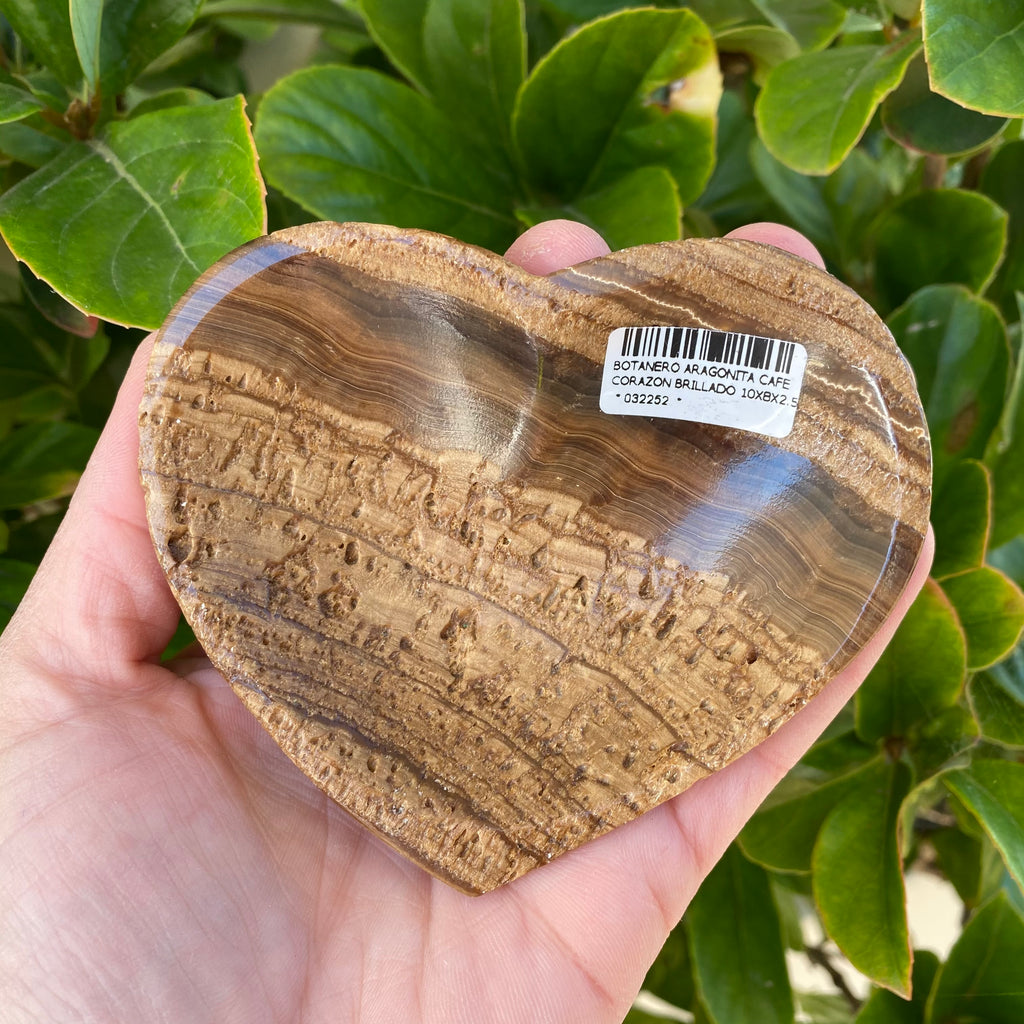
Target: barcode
709, 346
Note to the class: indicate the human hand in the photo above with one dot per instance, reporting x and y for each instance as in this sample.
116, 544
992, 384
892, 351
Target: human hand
162, 860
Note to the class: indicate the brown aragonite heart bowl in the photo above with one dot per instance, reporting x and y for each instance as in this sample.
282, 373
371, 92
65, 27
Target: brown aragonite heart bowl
496, 582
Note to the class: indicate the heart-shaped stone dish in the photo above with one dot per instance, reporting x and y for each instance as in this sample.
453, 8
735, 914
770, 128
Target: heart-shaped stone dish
490, 620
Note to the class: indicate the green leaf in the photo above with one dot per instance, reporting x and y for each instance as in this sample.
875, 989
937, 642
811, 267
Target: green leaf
799, 196
814, 108
43, 460
46, 30
858, 880
642, 207
736, 945
17, 103
823, 1008
993, 791
882, 1007
980, 981
924, 121
782, 835
919, 674
28, 144
140, 211
637, 88
86, 23
767, 47
957, 345
961, 516
117, 39
1000, 181
15, 577
960, 859
327, 13
936, 744
997, 699
671, 975
56, 309
811, 23
1005, 457
398, 30
352, 144
990, 607
469, 55
974, 53
940, 235
170, 98
733, 195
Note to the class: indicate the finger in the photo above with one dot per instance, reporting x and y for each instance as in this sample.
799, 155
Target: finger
99, 603
555, 245
769, 233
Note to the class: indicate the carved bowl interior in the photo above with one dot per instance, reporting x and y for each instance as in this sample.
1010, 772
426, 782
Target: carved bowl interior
489, 619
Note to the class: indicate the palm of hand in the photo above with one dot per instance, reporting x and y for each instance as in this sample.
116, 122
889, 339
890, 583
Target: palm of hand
160, 859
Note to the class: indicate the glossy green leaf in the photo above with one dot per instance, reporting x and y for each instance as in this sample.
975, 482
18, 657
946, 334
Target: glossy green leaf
671, 975
326, 13
46, 30
960, 859
642, 207
634, 89
352, 144
42, 461
990, 607
924, 121
639, 208
398, 31
1005, 458
814, 108
140, 211
782, 835
1009, 559
765, 45
858, 880
974, 52
55, 308
883, 1007
919, 674
957, 345
993, 791
812, 24
939, 743
823, 1008
997, 698
940, 235
15, 577
980, 982
86, 23
30, 385
733, 195
1000, 181
135, 32
736, 946
961, 516
16, 103
28, 143
469, 55
799, 196
840, 750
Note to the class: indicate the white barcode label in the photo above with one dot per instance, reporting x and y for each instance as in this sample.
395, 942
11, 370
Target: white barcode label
694, 373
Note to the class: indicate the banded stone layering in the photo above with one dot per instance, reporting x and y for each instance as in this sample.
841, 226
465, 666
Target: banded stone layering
490, 620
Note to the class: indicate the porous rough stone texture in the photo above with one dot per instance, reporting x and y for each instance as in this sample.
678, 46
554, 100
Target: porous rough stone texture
490, 620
